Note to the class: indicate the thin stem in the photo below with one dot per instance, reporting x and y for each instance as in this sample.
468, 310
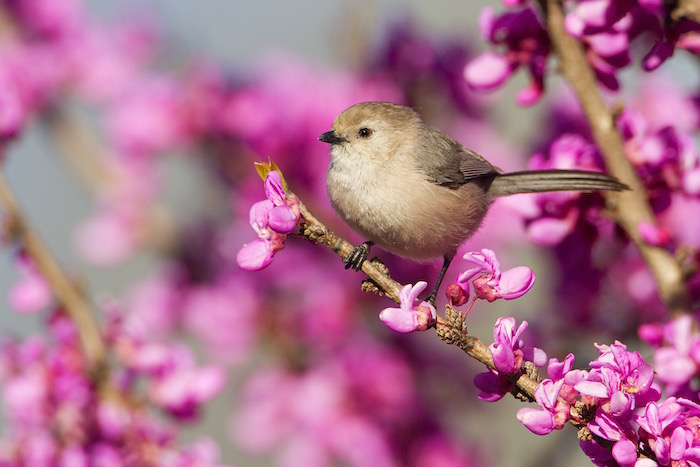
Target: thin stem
629, 208
72, 301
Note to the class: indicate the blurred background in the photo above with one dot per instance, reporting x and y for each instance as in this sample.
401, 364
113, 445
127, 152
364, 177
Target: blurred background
286, 69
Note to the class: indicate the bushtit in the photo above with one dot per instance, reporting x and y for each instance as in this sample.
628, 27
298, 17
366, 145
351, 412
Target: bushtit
414, 191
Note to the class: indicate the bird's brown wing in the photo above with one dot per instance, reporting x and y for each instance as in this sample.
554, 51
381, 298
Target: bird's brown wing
472, 165
456, 165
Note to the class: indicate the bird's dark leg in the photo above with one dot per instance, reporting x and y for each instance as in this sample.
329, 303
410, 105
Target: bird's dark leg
446, 264
358, 255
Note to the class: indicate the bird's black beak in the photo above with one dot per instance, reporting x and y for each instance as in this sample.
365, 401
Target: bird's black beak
331, 138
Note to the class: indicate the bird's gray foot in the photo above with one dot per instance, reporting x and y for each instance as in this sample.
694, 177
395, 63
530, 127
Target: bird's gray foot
358, 256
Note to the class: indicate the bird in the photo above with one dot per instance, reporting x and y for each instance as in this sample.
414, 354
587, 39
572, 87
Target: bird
414, 191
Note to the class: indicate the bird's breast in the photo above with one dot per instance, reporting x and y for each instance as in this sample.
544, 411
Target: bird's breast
403, 212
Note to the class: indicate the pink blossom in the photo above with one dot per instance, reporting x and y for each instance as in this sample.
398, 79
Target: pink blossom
256, 254
456, 295
224, 318
487, 71
182, 390
284, 214
408, 317
150, 119
12, 110
107, 238
490, 284
677, 352
655, 420
272, 219
31, 293
554, 413
653, 235
526, 43
557, 370
46, 17
113, 419
106, 61
509, 352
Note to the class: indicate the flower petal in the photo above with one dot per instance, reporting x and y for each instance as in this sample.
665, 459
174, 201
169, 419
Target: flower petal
540, 422
282, 219
255, 255
492, 387
592, 388
463, 278
259, 216
529, 95
32, 293
487, 71
399, 319
549, 231
412, 294
273, 188
515, 282
503, 357
625, 452
659, 53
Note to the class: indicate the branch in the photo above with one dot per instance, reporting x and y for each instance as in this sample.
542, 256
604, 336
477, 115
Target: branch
686, 9
452, 329
72, 301
631, 207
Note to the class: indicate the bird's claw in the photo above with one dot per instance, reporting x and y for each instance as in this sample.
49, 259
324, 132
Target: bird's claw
357, 256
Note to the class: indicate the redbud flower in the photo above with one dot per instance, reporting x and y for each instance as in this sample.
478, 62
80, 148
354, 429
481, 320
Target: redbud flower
32, 292
491, 284
12, 109
488, 71
150, 119
652, 234
272, 219
526, 43
553, 414
677, 361
655, 420
284, 214
409, 318
456, 295
509, 352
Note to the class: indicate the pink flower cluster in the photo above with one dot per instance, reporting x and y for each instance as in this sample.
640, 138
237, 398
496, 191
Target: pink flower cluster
550, 217
604, 27
337, 411
620, 391
55, 415
525, 40
676, 359
174, 382
347, 397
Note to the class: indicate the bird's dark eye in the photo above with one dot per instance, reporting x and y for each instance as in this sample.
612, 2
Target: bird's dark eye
364, 133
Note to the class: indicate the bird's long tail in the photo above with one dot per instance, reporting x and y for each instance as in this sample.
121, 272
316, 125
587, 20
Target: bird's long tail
538, 181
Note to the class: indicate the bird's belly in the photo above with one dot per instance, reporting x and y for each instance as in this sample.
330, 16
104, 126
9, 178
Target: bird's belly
409, 219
